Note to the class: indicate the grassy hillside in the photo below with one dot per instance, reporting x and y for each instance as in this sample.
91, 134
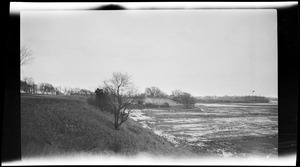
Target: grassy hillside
67, 124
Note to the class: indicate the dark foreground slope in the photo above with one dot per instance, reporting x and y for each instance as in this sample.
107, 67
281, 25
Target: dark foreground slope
52, 125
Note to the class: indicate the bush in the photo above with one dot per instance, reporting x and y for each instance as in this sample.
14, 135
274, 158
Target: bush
166, 105
151, 105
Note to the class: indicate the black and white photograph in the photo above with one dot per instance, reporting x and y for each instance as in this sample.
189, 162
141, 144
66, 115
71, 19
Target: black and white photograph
158, 87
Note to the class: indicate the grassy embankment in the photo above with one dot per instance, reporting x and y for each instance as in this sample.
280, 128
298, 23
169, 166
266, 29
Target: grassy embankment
57, 125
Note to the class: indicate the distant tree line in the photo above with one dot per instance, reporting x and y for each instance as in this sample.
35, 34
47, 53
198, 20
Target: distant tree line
184, 98
27, 85
233, 99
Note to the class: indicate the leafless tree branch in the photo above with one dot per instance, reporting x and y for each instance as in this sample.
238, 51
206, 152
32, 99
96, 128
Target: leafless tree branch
25, 55
121, 91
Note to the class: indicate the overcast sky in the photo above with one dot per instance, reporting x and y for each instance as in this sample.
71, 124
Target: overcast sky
203, 52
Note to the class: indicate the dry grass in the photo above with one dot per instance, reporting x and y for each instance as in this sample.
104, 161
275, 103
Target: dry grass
52, 125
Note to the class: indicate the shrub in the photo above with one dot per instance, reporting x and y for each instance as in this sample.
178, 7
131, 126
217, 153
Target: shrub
150, 105
166, 105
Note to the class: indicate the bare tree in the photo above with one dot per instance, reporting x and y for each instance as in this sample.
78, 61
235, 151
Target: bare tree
122, 95
154, 92
65, 91
34, 88
176, 93
25, 55
46, 88
29, 85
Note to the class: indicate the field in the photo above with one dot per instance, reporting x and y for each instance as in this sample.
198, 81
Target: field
223, 130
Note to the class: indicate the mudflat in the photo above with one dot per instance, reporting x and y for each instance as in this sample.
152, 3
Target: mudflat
226, 130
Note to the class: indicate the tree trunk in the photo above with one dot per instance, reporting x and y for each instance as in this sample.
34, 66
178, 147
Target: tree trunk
116, 126
116, 123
